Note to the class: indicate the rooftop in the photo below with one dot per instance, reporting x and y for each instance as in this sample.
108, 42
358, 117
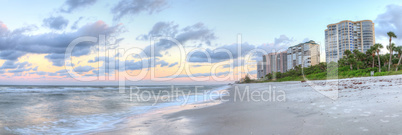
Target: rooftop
349, 21
308, 42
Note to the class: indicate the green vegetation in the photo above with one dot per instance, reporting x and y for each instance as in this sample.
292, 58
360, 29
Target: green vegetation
325, 71
353, 64
390, 47
247, 79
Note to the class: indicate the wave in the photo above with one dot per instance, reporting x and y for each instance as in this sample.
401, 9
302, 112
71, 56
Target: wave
101, 122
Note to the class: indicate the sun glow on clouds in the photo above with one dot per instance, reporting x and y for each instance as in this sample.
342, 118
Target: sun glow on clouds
41, 67
34, 51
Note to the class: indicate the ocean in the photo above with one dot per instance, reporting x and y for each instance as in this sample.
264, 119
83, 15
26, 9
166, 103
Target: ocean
88, 109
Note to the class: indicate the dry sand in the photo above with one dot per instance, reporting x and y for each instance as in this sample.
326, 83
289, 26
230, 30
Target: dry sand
370, 105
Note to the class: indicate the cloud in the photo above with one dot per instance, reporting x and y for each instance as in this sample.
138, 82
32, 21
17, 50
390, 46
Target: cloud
35, 69
256, 52
162, 63
173, 64
168, 29
221, 56
42, 73
283, 40
56, 59
134, 7
391, 20
198, 75
75, 24
129, 64
19, 70
305, 40
81, 69
96, 59
196, 66
71, 5
23, 30
137, 65
3, 29
280, 44
9, 64
52, 74
53, 44
10, 54
198, 34
134, 65
16, 67
57, 23
61, 71
197, 31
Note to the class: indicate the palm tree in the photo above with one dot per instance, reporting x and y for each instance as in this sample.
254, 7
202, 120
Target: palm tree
377, 48
342, 62
359, 55
359, 64
399, 50
371, 52
351, 60
385, 59
348, 53
356, 52
391, 47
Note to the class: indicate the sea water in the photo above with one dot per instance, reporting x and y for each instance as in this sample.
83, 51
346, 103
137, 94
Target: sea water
86, 109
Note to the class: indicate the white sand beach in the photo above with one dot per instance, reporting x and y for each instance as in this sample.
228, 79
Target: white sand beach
370, 105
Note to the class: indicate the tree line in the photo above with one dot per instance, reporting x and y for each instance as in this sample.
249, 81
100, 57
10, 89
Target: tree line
389, 61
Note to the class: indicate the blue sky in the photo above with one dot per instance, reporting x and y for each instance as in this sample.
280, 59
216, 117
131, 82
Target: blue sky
258, 21
276, 23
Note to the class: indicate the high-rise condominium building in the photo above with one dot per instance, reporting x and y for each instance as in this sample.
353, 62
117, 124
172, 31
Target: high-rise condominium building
260, 69
348, 35
305, 54
275, 62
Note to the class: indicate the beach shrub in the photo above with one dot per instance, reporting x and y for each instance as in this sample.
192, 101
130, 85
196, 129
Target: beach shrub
268, 76
380, 73
384, 68
247, 79
344, 68
278, 75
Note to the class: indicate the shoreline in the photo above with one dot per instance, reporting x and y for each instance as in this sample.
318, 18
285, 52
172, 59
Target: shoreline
366, 105
138, 121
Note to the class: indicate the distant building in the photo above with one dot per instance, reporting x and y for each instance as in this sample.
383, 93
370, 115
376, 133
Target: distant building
348, 35
275, 62
281, 60
260, 69
305, 54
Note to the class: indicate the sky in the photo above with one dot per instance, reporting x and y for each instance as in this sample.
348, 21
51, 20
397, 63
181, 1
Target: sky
35, 36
